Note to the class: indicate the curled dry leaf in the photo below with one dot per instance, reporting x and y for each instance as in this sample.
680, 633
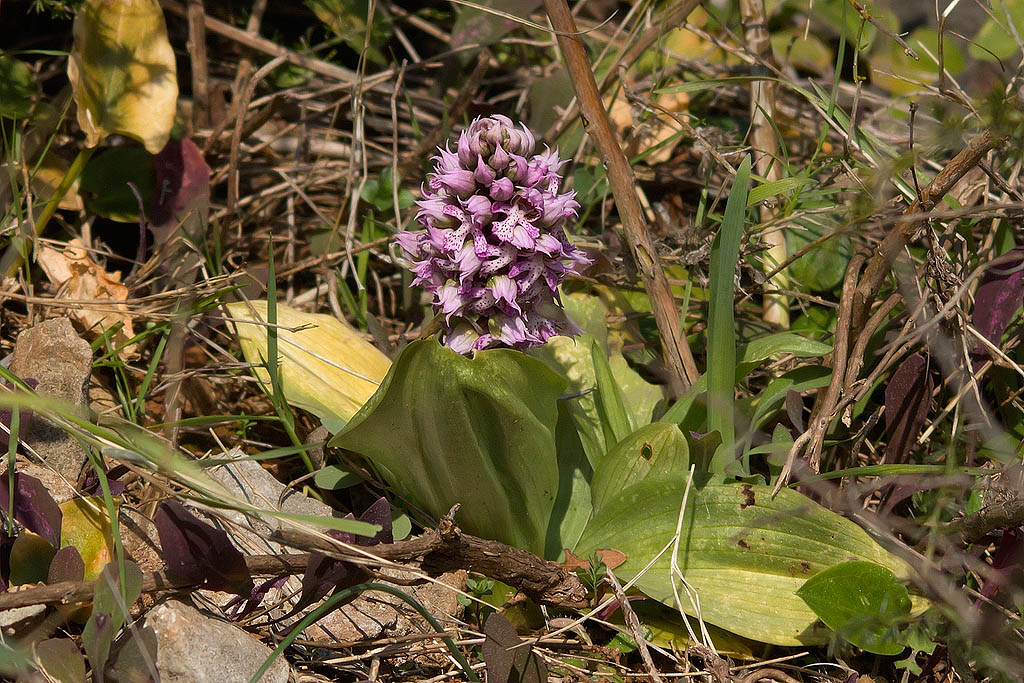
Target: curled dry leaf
122, 72
80, 278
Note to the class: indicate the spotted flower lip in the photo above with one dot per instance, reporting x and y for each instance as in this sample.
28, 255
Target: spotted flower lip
494, 250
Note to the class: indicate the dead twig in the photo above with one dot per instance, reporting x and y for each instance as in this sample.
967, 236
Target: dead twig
678, 358
878, 267
436, 552
764, 142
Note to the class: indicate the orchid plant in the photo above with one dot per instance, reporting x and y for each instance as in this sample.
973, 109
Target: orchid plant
553, 444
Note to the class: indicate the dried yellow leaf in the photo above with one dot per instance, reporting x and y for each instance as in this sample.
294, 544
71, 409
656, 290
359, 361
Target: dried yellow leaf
122, 72
325, 366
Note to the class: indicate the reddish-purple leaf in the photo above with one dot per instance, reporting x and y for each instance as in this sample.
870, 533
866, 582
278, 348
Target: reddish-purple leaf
998, 298
795, 409
6, 542
33, 506
378, 513
66, 565
907, 398
476, 26
1007, 561
198, 553
92, 486
324, 574
182, 185
241, 607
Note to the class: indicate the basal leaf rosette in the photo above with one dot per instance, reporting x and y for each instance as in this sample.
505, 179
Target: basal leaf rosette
494, 250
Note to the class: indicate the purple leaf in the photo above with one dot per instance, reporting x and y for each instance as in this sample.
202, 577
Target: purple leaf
33, 506
1008, 560
182, 185
66, 565
998, 298
92, 486
475, 26
795, 409
907, 399
324, 574
241, 607
197, 553
378, 513
505, 657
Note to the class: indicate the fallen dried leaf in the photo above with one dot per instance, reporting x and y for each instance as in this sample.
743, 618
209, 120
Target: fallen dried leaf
79, 278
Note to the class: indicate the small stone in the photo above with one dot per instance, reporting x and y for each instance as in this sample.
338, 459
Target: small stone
368, 616
139, 538
187, 646
53, 354
59, 487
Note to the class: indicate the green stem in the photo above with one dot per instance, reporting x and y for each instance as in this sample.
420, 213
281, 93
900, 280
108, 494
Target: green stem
16, 250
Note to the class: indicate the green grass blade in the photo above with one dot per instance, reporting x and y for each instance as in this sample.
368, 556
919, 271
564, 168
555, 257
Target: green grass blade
721, 372
610, 408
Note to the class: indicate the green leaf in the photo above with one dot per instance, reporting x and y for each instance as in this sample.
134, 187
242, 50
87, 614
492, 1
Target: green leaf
31, 555
725, 253
113, 596
105, 182
401, 526
614, 421
993, 41
61, 660
751, 356
760, 350
445, 429
862, 602
770, 189
801, 379
333, 478
571, 358
823, 267
744, 552
16, 87
655, 450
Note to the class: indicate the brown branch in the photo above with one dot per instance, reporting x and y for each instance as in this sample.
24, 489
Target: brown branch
764, 143
671, 18
681, 366
885, 254
436, 552
200, 66
447, 549
1007, 513
266, 46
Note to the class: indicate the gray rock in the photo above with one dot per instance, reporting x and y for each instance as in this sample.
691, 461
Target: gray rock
186, 646
53, 354
59, 486
367, 617
249, 481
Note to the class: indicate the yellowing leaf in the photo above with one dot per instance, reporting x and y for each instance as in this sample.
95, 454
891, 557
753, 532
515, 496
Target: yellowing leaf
122, 71
86, 526
326, 367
